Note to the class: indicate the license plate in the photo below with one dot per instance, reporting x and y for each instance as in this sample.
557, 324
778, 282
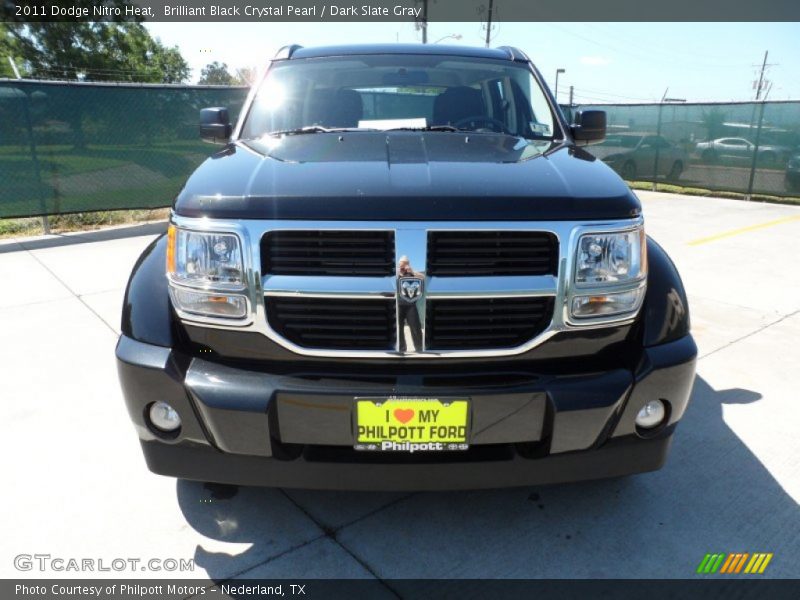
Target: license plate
411, 424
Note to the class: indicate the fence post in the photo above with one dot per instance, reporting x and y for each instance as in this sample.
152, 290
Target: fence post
29, 123
35, 157
749, 194
658, 135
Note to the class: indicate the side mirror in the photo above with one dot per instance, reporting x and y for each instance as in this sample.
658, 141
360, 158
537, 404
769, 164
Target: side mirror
589, 127
215, 125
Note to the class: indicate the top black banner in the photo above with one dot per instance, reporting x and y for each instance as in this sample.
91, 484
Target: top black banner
267, 11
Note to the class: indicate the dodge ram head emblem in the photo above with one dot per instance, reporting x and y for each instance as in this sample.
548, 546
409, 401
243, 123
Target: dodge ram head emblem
410, 288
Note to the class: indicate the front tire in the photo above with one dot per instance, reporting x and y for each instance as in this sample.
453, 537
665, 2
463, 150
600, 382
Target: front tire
675, 172
629, 170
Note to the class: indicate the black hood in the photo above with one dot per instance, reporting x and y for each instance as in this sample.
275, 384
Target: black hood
405, 176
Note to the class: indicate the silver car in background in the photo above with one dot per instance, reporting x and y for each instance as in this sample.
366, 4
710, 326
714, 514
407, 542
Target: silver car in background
740, 148
634, 155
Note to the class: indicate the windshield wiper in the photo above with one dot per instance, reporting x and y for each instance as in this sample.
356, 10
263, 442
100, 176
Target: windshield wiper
427, 128
316, 129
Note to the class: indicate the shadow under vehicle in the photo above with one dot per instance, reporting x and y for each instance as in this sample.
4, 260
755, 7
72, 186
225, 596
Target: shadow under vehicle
634, 155
403, 270
544, 531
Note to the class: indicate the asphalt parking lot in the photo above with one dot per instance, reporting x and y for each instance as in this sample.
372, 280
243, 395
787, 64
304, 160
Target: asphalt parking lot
79, 486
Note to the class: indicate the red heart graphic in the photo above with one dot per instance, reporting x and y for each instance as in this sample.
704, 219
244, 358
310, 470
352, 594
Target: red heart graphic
404, 415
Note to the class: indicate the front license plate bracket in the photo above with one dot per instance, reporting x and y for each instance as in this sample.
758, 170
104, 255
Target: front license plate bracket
411, 424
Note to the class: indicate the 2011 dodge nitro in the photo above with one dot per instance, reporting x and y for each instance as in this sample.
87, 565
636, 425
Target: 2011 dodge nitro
402, 270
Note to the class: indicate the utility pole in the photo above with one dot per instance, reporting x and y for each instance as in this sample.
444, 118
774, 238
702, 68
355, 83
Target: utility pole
658, 135
422, 23
751, 181
571, 94
761, 76
489, 23
558, 72
759, 85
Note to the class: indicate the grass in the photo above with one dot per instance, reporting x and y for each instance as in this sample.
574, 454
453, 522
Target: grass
79, 221
694, 191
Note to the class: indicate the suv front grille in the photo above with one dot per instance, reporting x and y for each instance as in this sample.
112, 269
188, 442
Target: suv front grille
471, 290
337, 324
485, 323
342, 253
475, 253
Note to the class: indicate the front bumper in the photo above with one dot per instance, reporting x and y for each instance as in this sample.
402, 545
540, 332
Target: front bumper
245, 426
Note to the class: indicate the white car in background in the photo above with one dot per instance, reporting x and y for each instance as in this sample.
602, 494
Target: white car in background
733, 147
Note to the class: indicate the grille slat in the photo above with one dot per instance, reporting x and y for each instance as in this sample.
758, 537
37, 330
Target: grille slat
334, 324
495, 253
348, 253
485, 323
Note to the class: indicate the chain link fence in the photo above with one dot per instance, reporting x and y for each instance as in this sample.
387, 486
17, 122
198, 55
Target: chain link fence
80, 147
745, 147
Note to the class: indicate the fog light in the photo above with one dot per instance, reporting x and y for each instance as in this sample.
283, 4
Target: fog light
164, 417
652, 414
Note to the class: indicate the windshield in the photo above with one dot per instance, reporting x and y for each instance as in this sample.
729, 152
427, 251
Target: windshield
381, 92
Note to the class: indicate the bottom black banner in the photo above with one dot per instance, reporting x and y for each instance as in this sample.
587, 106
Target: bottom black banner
353, 589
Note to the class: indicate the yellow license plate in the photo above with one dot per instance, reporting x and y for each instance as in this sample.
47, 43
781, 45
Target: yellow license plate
411, 424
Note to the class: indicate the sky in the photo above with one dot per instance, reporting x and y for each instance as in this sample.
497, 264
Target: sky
604, 62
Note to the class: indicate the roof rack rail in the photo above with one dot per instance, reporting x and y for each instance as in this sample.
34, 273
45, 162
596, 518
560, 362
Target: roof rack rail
286, 52
514, 53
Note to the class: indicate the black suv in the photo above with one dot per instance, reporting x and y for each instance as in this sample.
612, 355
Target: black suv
402, 271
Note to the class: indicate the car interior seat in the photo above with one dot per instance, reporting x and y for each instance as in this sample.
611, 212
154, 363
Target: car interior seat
343, 108
456, 104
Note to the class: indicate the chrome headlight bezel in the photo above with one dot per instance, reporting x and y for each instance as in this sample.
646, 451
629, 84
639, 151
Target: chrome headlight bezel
615, 301
212, 297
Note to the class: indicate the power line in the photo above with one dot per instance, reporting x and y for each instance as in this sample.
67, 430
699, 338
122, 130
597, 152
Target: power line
639, 51
612, 95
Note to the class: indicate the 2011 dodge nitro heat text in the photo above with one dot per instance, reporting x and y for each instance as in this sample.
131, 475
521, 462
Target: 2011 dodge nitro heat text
403, 271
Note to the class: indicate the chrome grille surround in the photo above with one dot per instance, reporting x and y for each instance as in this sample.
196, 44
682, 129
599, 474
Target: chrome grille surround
411, 240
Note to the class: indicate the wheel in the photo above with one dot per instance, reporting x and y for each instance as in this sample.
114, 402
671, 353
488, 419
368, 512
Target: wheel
676, 170
792, 185
629, 170
768, 158
709, 155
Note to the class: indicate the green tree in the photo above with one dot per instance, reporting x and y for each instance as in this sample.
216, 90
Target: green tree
87, 51
105, 51
216, 74
245, 76
6, 52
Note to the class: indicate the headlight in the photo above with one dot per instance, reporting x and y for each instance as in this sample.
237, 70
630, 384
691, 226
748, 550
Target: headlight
204, 260
610, 276
611, 258
204, 269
